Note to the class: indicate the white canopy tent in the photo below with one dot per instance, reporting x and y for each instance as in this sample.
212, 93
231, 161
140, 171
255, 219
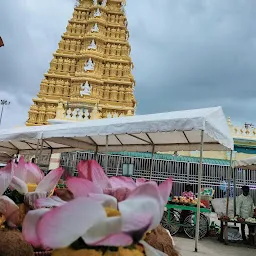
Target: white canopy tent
179, 130
246, 164
200, 129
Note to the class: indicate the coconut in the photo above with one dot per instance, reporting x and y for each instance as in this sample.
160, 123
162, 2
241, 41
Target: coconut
13, 244
161, 240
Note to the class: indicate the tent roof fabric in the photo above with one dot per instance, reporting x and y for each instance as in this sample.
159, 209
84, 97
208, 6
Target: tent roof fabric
180, 130
246, 164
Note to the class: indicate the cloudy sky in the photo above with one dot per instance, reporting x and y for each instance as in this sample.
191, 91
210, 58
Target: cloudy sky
187, 53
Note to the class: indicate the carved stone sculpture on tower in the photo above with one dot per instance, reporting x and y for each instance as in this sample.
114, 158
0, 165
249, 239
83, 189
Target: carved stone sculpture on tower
104, 3
97, 13
89, 65
95, 28
85, 89
60, 110
92, 45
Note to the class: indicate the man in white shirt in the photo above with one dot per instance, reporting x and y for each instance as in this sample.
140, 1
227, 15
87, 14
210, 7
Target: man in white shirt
245, 208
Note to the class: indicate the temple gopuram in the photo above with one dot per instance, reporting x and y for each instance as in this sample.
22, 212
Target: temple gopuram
90, 73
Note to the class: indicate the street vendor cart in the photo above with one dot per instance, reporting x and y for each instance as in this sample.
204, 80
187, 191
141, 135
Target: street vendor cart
173, 221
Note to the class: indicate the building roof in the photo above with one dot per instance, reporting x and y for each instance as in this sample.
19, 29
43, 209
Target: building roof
189, 159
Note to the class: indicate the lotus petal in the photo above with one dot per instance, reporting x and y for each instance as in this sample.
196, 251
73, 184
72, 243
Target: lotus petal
29, 226
121, 182
70, 220
120, 193
49, 202
34, 174
137, 225
31, 197
105, 200
150, 251
140, 181
19, 185
116, 240
137, 222
6, 175
104, 228
92, 171
145, 199
83, 168
50, 180
165, 189
82, 187
20, 170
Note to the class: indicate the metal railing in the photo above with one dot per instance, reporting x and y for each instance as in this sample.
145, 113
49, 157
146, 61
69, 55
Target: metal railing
181, 172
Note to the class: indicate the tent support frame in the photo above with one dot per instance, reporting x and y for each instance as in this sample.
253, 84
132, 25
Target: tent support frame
40, 152
228, 192
151, 161
234, 190
37, 148
106, 156
200, 171
96, 153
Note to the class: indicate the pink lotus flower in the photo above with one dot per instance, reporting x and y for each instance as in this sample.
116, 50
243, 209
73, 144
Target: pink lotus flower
29, 180
117, 186
94, 181
87, 218
7, 207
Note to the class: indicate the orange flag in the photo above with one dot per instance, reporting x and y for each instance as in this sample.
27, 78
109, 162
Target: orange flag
1, 42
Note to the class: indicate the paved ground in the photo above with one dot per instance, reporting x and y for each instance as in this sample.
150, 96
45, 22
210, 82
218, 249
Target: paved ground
211, 247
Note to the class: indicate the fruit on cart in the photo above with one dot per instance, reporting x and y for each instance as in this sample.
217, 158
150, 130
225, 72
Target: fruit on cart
239, 219
175, 200
251, 220
225, 218
185, 201
202, 205
194, 202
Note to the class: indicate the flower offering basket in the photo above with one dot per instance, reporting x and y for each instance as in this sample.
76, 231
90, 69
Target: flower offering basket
43, 253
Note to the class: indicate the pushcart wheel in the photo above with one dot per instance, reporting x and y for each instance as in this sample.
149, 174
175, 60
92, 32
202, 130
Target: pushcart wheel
190, 226
173, 225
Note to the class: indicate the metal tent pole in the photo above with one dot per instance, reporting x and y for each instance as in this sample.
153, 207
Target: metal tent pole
118, 163
106, 156
37, 148
96, 153
200, 171
40, 152
228, 193
151, 162
234, 195
229, 182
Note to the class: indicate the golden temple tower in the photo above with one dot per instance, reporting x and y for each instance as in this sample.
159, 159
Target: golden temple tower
90, 74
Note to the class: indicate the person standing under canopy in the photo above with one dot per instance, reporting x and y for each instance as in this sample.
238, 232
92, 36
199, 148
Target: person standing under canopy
245, 209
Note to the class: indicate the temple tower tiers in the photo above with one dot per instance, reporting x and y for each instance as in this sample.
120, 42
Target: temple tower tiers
90, 73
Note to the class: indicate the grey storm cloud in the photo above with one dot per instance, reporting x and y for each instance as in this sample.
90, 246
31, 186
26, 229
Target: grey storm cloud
187, 54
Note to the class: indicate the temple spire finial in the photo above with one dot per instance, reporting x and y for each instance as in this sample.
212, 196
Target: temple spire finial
229, 121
